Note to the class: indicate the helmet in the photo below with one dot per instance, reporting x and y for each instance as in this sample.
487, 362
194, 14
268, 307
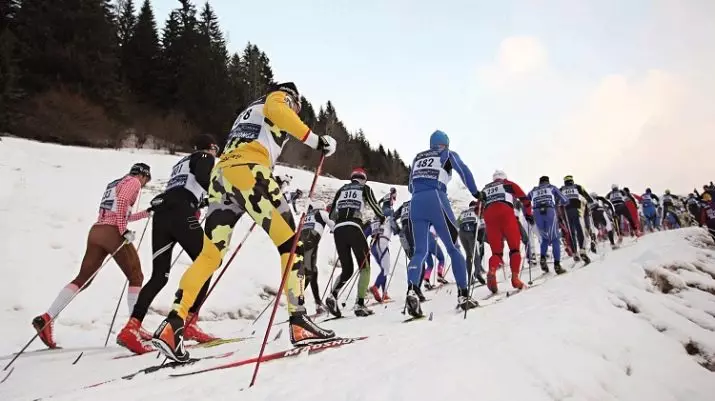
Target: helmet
667, 192
358, 174
568, 180
140, 169
438, 138
206, 142
291, 90
614, 187
647, 190
317, 204
499, 175
544, 179
594, 195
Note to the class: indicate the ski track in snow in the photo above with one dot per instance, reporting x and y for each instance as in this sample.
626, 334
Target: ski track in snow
636, 324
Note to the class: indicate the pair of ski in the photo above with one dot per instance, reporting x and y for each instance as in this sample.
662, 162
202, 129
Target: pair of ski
209, 344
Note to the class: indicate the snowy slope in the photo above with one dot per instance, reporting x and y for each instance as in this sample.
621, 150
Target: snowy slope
605, 332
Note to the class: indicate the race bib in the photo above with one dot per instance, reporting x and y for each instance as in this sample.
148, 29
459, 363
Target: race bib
427, 167
350, 199
109, 198
571, 193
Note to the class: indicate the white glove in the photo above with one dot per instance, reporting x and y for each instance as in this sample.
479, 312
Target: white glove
129, 236
327, 144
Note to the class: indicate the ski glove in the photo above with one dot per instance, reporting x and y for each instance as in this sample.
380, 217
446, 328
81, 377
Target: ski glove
155, 204
480, 196
327, 144
129, 236
529, 219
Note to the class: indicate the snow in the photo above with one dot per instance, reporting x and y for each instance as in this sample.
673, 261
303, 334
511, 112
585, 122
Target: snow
637, 324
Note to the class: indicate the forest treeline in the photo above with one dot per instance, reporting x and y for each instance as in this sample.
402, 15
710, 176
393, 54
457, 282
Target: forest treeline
102, 73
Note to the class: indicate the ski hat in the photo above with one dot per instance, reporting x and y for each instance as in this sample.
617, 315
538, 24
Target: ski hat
438, 138
568, 180
358, 174
647, 190
614, 186
140, 169
544, 179
206, 142
317, 204
393, 190
667, 192
626, 190
594, 195
499, 175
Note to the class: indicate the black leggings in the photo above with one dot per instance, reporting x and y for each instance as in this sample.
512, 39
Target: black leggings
622, 210
171, 224
310, 256
349, 240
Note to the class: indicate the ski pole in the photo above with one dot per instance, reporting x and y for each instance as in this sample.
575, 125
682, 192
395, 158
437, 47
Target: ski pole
529, 229
235, 252
124, 288
52, 319
392, 273
335, 266
475, 253
285, 273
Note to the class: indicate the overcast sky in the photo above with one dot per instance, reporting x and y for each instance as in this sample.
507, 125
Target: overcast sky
611, 91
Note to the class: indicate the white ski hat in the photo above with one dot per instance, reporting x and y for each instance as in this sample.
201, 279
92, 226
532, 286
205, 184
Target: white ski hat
499, 175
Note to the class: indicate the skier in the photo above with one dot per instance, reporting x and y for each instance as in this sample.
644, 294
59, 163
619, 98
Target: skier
241, 182
291, 197
632, 201
175, 220
310, 236
693, 205
669, 209
431, 171
545, 198
107, 236
434, 251
471, 235
387, 202
349, 238
501, 194
600, 219
402, 214
382, 233
573, 192
649, 203
618, 200
707, 213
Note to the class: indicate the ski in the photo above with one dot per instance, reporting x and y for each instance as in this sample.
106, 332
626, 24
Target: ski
306, 349
209, 344
413, 318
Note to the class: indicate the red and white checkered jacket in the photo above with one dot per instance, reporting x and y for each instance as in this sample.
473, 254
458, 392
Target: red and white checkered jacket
127, 192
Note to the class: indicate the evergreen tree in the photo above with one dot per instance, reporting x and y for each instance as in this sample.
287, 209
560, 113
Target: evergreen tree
126, 20
142, 64
170, 61
8, 61
256, 72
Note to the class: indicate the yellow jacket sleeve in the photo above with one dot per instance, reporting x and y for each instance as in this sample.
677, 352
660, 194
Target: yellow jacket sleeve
277, 110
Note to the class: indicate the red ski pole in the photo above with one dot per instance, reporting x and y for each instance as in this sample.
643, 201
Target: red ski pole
285, 273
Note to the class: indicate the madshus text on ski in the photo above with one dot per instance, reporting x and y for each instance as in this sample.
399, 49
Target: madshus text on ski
242, 182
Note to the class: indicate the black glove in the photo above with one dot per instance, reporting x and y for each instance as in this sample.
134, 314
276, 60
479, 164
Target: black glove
204, 203
529, 218
480, 196
382, 218
155, 204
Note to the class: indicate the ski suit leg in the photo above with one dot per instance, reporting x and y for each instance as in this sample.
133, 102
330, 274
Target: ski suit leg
513, 240
381, 252
361, 250
445, 224
468, 240
234, 190
633, 211
343, 238
440, 258
421, 235
554, 234
574, 220
650, 216
432, 249
544, 226
310, 257
481, 237
494, 218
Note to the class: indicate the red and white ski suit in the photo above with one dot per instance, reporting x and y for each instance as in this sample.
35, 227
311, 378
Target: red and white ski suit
501, 223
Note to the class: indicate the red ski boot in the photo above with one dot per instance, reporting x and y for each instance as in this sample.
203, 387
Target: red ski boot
43, 326
376, 294
492, 282
130, 337
192, 331
385, 297
517, 283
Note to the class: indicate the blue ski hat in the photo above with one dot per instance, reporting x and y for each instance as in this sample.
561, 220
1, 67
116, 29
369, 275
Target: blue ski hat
438, 138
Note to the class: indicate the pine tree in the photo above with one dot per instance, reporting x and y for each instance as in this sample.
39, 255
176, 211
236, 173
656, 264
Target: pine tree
142, 64
9, 72
170, 61
256, 72
125, 21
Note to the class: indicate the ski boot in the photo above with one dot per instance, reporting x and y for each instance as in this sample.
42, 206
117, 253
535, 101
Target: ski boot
192, 331
544, 266
332, 305
441, 279
479, 277
419, 294
385, 297
169, 338
130, 338
429, 286
464, 301
585, 258
576, 258
376, 294
558, 269
614, 247
43, 325
304, 331
516, 282
492, 282
593, 247
319, 309
360, 309
412, 302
